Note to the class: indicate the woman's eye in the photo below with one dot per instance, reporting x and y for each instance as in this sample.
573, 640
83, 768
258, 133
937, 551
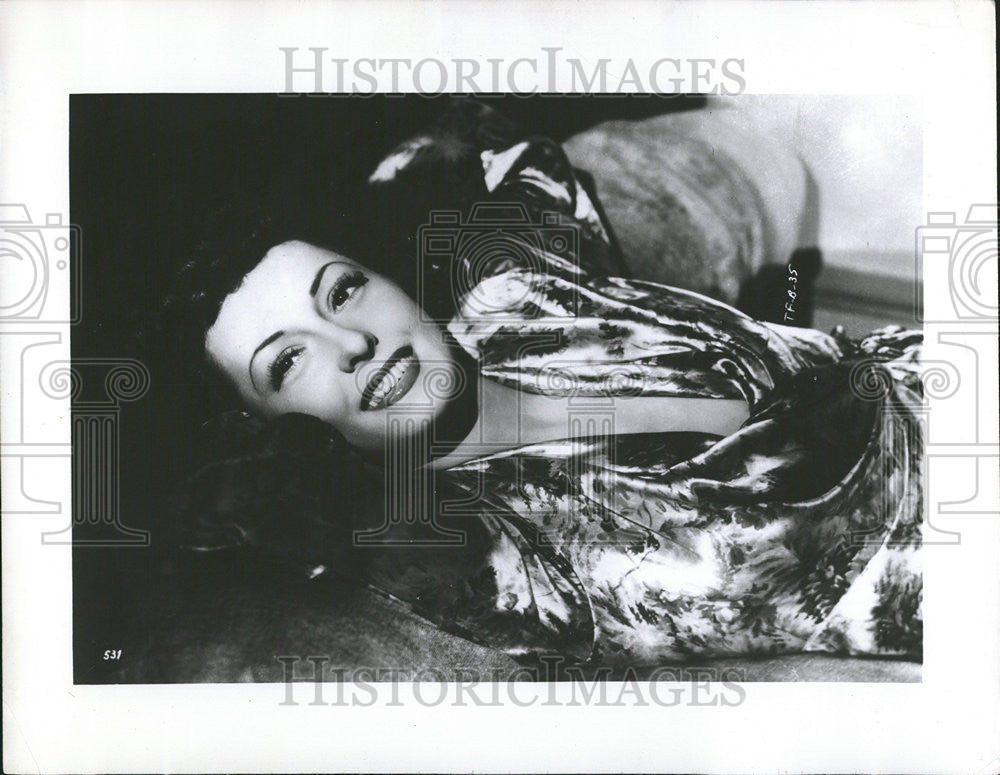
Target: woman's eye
281, 365
344, 289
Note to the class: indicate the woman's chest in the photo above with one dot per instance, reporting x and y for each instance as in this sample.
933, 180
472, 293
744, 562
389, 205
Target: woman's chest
613, 416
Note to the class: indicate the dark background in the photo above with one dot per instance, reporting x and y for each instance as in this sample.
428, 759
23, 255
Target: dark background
144, 171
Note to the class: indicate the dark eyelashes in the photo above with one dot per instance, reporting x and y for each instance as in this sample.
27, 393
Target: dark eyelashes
338, 293
281, 365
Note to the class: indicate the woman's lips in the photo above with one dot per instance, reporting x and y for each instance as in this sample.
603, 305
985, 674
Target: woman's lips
392, 381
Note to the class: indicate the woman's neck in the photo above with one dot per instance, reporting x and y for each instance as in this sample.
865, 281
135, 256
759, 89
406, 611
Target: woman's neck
507, 418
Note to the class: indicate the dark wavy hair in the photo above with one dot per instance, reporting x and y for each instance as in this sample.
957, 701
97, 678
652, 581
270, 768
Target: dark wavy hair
283, 488
273, 484
379, 228
234, 238
289, 489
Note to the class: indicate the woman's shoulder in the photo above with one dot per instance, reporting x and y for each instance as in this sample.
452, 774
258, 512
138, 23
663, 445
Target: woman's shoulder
540, 319
494, 189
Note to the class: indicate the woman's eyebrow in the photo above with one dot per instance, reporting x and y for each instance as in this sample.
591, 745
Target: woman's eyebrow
319, 276
277, 334
261, 346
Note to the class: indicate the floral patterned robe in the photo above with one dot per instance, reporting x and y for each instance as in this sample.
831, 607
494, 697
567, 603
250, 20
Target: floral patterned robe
800, 531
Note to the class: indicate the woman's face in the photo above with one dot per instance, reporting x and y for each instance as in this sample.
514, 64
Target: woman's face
313, 332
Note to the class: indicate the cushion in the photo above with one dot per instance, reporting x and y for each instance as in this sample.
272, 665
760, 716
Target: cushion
700, 199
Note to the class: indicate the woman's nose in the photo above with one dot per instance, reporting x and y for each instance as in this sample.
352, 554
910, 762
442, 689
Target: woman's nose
354, 348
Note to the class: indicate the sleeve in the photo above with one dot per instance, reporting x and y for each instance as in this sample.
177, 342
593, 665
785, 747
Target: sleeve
474, 172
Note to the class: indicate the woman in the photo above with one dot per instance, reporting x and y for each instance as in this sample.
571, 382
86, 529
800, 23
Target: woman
602, 468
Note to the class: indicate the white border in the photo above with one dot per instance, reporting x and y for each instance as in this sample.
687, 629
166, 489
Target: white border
941, 52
